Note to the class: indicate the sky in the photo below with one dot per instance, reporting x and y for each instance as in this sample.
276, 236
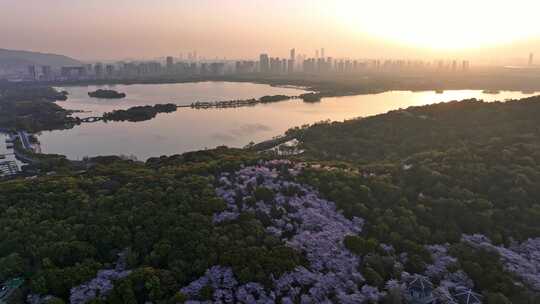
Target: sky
144, 29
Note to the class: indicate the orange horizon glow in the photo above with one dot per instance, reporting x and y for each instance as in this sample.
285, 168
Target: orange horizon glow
444, 25
123, 29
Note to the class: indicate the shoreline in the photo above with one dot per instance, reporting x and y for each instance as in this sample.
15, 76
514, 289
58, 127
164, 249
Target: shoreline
306, 88
335, 87
265, 142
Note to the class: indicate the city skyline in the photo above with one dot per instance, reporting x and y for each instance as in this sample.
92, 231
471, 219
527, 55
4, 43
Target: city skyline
235, 29
267, 65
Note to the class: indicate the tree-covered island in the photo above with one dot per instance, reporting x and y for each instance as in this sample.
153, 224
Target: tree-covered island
106, 94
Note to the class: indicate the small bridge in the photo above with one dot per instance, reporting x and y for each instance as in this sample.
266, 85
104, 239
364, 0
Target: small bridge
91, 119
25, 140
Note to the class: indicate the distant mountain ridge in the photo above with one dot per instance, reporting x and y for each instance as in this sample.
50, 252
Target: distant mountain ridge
15, 59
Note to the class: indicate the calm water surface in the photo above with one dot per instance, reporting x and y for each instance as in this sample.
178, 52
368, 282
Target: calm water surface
180, 94
189, 129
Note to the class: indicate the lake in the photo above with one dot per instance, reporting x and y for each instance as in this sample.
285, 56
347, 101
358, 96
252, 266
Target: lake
191, 129
178, 93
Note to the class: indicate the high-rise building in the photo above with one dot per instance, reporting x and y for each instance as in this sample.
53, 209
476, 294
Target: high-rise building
32, 72
309, 65
348, 66
203, 69
245, 67
73, 72
329, 64
465, 65
217, 68
275, 65
47, 72
264, 63
283, 66
98, 70
316, 54
291, 62
341, 66
170, 63
109, 69
531, 59
290, 66
322, 53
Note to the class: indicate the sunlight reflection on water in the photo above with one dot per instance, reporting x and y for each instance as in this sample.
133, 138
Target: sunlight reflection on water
189, 129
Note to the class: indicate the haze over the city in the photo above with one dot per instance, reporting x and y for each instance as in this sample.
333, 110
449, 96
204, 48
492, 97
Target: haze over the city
482, 30
269, 151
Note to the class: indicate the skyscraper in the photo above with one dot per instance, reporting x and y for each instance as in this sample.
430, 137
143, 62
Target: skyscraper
98, 70
283, 66
465, 65
32, 72
47, 72
322, 53
109, 69
264, 63
292, 61
290, 66
170, 63
531, 59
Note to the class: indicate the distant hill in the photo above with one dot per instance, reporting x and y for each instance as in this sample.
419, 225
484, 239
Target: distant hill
15, 60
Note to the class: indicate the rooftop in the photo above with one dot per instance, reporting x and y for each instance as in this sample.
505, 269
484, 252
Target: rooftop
467, 296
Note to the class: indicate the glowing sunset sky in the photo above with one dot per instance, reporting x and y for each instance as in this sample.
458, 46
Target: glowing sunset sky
105, 29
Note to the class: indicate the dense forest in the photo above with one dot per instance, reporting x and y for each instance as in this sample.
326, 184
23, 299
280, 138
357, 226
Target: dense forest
139, 113
446, 193
59, 231
32, 108
106, 94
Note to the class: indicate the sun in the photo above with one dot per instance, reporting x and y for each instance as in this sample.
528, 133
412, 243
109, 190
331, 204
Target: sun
445, 25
